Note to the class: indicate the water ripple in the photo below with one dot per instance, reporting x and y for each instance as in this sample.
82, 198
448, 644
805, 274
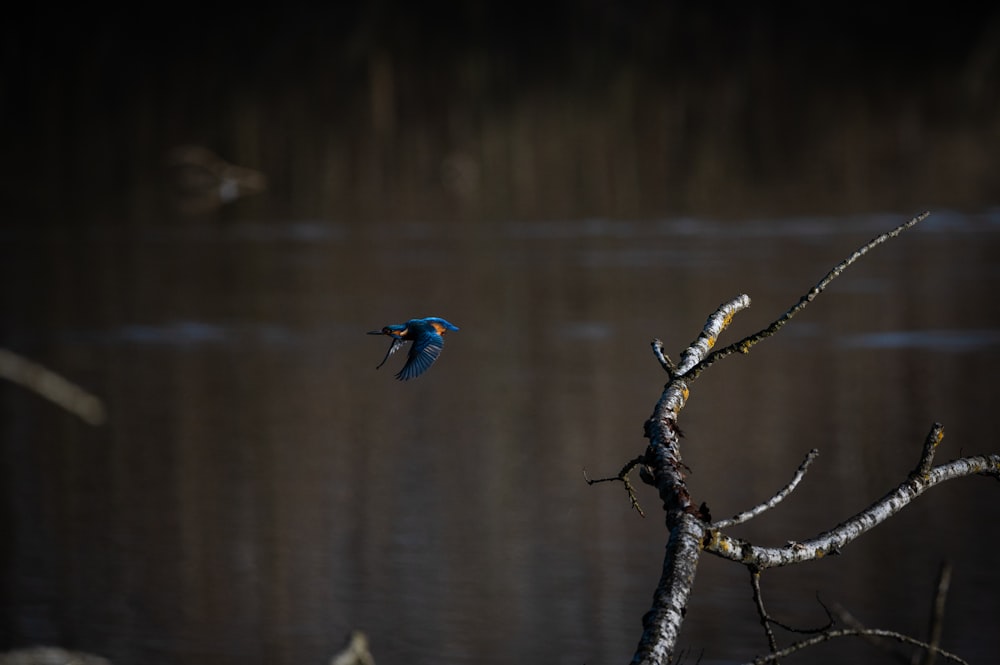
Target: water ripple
956, 341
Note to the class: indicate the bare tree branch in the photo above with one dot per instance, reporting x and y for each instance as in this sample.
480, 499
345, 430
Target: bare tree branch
51, 386
665, 470
690, 528
662, 624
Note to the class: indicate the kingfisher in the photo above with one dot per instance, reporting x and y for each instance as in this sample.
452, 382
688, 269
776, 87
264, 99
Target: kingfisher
427, 336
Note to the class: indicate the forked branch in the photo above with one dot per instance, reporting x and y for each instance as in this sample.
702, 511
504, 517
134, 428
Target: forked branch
690, 531
623, 477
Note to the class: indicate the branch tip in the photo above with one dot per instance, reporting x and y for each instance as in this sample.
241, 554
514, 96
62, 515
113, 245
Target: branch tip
934, 437
774, 500
665, 362
623, 477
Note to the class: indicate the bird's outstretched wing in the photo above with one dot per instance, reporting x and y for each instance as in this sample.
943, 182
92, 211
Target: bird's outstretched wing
396, 343
423, 353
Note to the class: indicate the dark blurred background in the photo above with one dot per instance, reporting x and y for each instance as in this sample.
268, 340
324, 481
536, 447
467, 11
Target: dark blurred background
203, 211
511, 110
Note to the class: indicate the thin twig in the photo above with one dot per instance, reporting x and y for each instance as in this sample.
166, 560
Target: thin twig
876, 641
743, 346
805, 631
774, 500
854, 632
766, 619
758, 600
623, 477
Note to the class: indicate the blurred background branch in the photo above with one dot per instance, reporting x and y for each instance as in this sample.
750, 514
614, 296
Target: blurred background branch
51, 386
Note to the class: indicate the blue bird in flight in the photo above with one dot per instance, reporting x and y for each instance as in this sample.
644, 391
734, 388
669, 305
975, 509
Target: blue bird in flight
427, 336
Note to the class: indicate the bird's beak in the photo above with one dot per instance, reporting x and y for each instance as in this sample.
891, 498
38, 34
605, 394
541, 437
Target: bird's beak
375, 332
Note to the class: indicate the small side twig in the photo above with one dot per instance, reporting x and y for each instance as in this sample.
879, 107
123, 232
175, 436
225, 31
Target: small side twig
934, 437
853, 623
747, 515
766, 619
666, 363
623, 477
758, 600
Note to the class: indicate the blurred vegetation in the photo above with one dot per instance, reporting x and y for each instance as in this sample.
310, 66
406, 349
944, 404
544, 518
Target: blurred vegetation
478, 111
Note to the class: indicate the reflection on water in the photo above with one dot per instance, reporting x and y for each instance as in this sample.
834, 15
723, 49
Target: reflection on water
947, 341
187, 333
260, 490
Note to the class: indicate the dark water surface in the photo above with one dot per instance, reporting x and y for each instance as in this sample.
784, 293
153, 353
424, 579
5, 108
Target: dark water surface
259, 490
